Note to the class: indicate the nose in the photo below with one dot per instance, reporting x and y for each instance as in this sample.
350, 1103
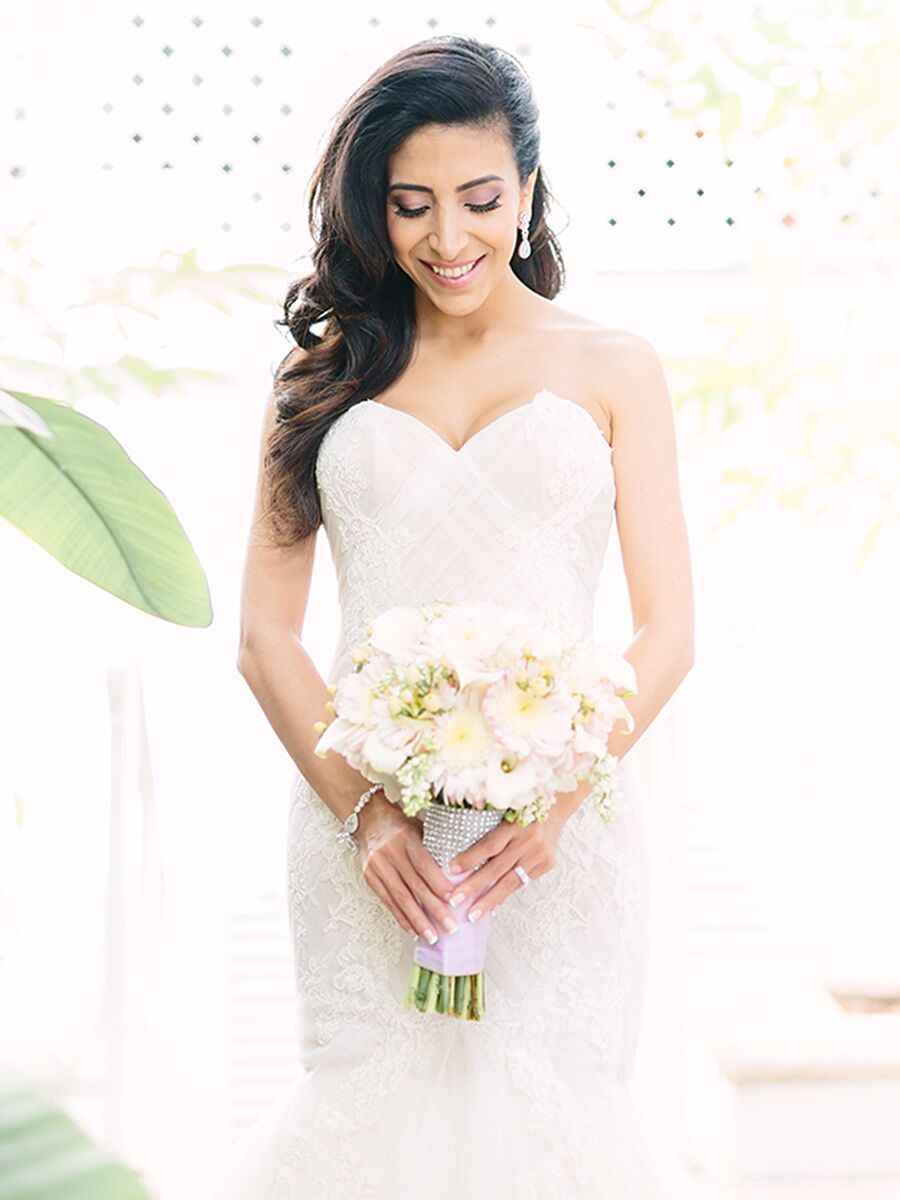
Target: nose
449, 238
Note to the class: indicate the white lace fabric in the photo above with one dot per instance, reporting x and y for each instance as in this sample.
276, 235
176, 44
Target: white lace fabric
520, 514
532, 1101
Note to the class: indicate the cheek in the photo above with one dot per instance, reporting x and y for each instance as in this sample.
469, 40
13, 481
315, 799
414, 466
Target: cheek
498, 232
401, 236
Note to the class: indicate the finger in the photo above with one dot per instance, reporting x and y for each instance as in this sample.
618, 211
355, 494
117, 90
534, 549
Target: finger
407, 903
490, 873
495, 896
381, 891
437, 909
432, 876
486, 847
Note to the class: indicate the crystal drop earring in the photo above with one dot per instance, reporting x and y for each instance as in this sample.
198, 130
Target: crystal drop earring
524, 244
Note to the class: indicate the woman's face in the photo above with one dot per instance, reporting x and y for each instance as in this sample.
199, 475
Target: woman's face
454, 200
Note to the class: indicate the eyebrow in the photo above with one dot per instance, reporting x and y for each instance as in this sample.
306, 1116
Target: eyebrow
463, 187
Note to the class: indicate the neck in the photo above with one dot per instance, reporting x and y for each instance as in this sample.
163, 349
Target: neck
505, 308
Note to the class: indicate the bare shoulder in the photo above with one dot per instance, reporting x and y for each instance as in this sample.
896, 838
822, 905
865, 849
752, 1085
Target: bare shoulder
627, 379
620, 374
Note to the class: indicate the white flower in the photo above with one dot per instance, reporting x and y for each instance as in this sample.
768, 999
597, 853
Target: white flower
387, 747
510, 781
336, 737
354, 698
465, 743
465, 736
527, 723
397, 630
468, 636
590, 662
539, 637
364, 730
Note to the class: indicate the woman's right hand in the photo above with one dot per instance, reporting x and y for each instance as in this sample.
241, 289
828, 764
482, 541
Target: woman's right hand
401, 872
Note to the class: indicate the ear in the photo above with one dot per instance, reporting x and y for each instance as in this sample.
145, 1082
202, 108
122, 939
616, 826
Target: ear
529, 190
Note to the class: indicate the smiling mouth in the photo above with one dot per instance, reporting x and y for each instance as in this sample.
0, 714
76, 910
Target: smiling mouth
470, 266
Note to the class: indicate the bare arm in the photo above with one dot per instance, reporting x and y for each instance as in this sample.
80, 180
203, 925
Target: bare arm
293, 696
652, 533
273, 659
652, 530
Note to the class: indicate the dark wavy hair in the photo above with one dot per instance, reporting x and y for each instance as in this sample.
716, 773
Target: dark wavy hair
356, 292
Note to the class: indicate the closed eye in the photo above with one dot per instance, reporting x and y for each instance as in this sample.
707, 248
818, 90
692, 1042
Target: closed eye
400, 211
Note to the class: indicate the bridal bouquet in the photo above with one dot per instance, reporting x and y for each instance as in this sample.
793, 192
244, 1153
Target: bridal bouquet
471, 714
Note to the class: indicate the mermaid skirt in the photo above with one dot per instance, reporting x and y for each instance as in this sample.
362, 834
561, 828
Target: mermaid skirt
532, 1101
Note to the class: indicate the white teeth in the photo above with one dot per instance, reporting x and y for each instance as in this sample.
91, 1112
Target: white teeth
456, 272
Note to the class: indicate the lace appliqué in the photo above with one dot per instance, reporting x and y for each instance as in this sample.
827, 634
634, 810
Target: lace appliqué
371, 549
347, 985
543, 925
547, 555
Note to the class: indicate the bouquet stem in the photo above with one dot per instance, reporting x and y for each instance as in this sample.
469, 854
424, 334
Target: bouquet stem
448, 977
451, 995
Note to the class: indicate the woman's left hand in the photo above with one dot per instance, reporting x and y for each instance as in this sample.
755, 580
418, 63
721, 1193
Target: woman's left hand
531, 846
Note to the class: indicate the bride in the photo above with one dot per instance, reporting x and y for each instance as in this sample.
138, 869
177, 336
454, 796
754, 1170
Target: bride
460, 437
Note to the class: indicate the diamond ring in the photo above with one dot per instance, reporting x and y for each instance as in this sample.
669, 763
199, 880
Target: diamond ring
523, 875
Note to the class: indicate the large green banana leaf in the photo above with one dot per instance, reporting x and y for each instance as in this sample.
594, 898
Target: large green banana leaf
44, 1155
68, 484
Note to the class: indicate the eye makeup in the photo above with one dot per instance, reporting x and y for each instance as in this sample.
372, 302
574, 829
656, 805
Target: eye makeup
491, 205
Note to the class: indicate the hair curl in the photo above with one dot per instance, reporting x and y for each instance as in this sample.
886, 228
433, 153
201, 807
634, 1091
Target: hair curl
355, 290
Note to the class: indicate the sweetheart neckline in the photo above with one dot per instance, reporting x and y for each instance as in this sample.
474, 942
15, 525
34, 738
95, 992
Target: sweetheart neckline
456, 451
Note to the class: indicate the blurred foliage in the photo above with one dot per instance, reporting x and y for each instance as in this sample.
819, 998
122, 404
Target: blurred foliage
815, 85
836, 60
44, 1155
130, 290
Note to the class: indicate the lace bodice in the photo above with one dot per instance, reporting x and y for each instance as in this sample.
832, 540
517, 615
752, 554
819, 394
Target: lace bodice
520, 514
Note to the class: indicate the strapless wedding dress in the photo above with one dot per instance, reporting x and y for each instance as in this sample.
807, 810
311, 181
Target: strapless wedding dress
531, 1102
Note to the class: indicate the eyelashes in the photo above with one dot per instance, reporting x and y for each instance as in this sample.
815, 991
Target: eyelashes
400, 211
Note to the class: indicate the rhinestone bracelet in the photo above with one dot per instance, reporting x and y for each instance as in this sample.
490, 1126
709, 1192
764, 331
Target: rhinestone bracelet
351, 823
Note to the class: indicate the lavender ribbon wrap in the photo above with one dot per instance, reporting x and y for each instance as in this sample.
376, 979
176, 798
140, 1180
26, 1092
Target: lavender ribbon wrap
449, 830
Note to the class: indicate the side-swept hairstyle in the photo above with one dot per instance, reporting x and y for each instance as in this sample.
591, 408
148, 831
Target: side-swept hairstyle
356, 294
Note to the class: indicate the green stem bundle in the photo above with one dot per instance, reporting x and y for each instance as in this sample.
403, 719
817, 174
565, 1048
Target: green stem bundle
450, 995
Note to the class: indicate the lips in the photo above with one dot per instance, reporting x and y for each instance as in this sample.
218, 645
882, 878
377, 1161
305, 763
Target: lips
452, 266
471, 264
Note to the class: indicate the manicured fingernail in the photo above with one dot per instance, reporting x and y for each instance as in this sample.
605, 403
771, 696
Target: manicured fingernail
450, 925
455, 869
456, 901
431, 935
474, 914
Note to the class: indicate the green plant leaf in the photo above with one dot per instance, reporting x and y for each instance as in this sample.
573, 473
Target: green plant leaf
44, 1155
81, 497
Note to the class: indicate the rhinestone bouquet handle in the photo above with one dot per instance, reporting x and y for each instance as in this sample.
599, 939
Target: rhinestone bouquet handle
448, 977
